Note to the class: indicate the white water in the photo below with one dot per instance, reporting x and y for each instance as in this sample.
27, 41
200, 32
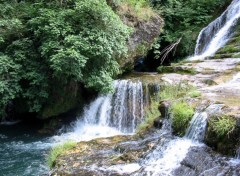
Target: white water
165, 159
163, 162
217, 33
198, 125
109, 115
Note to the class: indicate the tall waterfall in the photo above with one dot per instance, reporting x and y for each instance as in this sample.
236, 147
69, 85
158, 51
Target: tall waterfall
217, 33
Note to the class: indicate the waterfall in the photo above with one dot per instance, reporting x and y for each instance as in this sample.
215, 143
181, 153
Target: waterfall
167, 157
111, 114
122, 110
217, 33
197, 128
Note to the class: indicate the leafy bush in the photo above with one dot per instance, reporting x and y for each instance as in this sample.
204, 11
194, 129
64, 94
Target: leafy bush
68, 41
223, 126
182, 114
57, 151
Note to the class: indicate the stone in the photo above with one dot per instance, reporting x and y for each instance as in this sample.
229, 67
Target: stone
158, 123
164, 108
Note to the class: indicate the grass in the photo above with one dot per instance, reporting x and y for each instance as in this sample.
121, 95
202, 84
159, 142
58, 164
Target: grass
180, 90
223, 126
57, 151
182, 115
140, 9
194, 94
181, 111
151, 113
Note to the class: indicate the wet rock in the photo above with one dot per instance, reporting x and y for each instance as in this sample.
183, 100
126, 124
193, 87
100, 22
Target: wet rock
203, 161
209, 82
158, 123
164, 108
97, 156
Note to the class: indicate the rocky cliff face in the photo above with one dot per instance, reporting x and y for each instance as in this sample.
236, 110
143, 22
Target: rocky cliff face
146, 28
144, 35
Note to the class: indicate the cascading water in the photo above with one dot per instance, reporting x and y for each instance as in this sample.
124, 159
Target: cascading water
107, 115
217, 33
196, 131
111, 114
167, 157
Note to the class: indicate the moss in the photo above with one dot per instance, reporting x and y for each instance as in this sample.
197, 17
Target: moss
165, 69
179, 70
62, 99
181, 116
57, 151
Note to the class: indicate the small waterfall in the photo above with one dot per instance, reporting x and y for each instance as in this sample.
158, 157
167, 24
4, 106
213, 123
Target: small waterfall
111, 114
167, 157
122, 110
197, 128
217, 33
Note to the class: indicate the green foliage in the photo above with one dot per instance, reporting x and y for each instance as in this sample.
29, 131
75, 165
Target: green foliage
176, 91
137, 8
68, 41
194, 94
57, 151
151, 114
182, 115
184, 19
229, 49
223, 126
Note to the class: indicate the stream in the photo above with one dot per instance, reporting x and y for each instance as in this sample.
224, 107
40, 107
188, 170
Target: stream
23, 150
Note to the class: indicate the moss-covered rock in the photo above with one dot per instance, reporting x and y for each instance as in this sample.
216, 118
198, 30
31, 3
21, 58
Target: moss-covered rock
146, 25
62, 99
223, 134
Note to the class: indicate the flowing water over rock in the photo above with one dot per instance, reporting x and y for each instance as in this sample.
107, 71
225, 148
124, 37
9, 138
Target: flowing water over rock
217, 33
111, 114
168, 156
198, 125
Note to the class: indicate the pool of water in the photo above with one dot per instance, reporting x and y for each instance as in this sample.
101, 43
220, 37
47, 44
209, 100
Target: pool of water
23, 150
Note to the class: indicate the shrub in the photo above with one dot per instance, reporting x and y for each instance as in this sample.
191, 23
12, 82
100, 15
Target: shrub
57, 151
57, 41
223, 126
181, 116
